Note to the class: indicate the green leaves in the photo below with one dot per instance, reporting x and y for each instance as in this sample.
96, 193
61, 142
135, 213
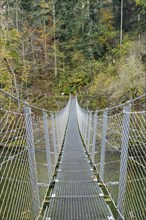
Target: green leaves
120, 78
141, 2
76, 40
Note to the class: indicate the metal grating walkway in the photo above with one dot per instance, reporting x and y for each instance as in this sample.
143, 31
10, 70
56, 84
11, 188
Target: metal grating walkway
76, 195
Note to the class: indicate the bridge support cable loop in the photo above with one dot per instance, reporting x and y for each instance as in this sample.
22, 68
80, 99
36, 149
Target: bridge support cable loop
47, 143
94, 136
124, 159
31, 160
103, 145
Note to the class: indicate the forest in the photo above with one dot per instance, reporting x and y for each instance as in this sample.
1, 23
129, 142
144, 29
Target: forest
64, 158
93, 48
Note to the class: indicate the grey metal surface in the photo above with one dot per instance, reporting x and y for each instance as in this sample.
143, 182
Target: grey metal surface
32, 160
81, 208
76, 194
94, 136
124, 159
75, 176
103, 146
47, 143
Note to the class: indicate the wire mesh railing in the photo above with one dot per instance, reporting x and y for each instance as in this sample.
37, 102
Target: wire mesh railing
116, 141
30, 142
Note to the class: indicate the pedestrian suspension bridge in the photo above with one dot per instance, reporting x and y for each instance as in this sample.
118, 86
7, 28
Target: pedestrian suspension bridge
73, 164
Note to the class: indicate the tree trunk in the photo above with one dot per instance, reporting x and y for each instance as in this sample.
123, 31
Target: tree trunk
55, 55
14, 77
121, 31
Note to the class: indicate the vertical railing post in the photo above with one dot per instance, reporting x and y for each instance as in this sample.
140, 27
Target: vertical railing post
124, 159
61, 129
94, 136
57, 131
86, 129
80, 120
47, 143
54, 137
84, 125
58, 124
31, 160
89, 131
103, 145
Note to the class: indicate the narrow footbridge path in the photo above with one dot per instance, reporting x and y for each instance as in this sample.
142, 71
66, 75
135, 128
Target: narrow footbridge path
76, 194
72, 164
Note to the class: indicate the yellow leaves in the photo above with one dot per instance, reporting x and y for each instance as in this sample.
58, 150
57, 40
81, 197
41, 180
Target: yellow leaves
4, 52
44, 4
107, 19
131, 69
71, 43
9, 43
41, 37
12, 63
5, 77
130, 79
14, 34
23, 71
77, 57
102, 39
101, 84
141, 2
106, 32
121, 79
106, 15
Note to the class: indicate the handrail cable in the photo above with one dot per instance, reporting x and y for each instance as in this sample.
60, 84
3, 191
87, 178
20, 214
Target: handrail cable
23, 102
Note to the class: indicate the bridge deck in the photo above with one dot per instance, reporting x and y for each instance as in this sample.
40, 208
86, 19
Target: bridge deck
76, 195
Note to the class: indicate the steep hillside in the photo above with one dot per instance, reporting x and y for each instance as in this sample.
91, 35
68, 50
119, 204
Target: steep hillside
94, 48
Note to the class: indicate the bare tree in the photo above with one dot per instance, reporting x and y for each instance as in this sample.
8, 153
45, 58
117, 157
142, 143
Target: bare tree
121, 29
55, 54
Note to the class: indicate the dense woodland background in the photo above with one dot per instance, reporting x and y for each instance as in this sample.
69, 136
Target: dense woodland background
73, 46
